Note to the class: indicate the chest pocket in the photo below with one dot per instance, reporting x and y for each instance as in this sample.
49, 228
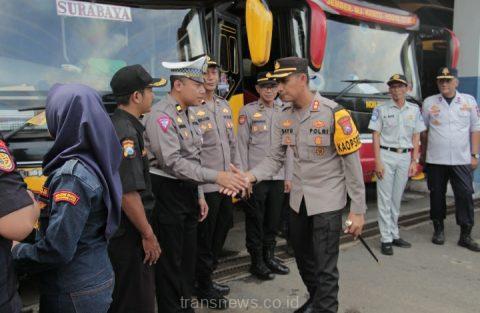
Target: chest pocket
259, 133
462, 117
409, 121
288, 138
317, 146
390, 120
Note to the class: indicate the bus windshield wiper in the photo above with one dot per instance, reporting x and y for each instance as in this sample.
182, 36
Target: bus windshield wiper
353, 83
37, 120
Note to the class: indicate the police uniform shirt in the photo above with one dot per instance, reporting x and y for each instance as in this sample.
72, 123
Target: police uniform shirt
134, 167
449, 127
255, 135
13, 197
219, 147
397, 125
175, 141
320, 174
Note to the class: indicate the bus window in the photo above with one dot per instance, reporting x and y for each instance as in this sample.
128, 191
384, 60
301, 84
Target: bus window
43, 47
299, 32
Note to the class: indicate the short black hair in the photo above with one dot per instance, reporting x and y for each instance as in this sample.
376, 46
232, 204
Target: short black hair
124, 100
174, 78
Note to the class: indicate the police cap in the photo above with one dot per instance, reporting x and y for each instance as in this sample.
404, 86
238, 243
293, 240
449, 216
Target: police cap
264, 79
287, 66
397, 78
193, 70
446, 73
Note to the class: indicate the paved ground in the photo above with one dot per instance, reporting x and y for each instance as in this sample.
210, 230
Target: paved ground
423, 279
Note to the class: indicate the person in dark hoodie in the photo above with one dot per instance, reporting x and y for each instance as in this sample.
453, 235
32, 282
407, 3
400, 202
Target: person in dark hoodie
83, 196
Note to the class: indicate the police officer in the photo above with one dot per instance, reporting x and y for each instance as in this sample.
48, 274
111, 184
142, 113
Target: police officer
396, 126
262, 219
174, 138
326, 165
219, 149
18, 214
135, 247
453, 147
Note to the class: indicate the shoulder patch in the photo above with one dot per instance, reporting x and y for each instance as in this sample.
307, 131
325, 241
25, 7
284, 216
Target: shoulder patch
164, 121
6, 160
128, 146
346, 137
375, 115
66, 196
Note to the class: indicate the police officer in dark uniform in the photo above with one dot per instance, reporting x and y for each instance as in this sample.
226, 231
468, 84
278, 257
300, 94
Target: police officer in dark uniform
134, 248
18, 214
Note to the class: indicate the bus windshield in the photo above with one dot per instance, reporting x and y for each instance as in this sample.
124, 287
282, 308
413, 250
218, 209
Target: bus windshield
62, 41
365, 52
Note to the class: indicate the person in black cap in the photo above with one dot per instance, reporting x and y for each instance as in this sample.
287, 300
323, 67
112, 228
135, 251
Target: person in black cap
262, 218
396, 126
326, 163
134, 248
18, 214
452, 151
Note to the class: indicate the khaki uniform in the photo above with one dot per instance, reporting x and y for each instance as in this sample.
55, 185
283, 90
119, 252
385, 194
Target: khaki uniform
255, 136
321, 180
320, 175
262, 221
219, 147
174, 142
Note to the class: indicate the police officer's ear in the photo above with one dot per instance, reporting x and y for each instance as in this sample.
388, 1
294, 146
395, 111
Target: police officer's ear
258, 89
409, 87
177, 84
455, 82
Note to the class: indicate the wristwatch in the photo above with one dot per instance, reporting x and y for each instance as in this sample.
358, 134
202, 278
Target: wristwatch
476, 155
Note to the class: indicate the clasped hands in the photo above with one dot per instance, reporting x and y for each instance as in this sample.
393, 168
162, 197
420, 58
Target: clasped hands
235, 182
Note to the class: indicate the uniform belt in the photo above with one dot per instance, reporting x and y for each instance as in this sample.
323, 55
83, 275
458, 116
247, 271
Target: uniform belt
399, 150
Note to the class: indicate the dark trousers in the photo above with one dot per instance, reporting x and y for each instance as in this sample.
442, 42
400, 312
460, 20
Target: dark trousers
175, 219
262, 218
315, 240
461, 179
134, 289
212, 233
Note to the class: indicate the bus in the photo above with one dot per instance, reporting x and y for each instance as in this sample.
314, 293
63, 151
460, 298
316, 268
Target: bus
353, 47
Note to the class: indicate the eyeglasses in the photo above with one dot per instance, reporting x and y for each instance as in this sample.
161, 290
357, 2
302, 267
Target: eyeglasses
444, 80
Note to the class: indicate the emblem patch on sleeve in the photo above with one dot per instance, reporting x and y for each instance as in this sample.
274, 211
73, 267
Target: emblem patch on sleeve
6, 161
164, 121
66, 196
346, 137
128, 146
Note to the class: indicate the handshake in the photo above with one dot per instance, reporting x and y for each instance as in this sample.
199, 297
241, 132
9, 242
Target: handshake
235, 182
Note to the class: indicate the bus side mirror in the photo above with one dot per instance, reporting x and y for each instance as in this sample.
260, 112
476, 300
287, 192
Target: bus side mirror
259, 22
317, 39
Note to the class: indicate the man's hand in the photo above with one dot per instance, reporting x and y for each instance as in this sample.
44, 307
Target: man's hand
356, 227
412, 170
474, 163
203, 209
232, 182
151, 248
379, 169
288, 186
